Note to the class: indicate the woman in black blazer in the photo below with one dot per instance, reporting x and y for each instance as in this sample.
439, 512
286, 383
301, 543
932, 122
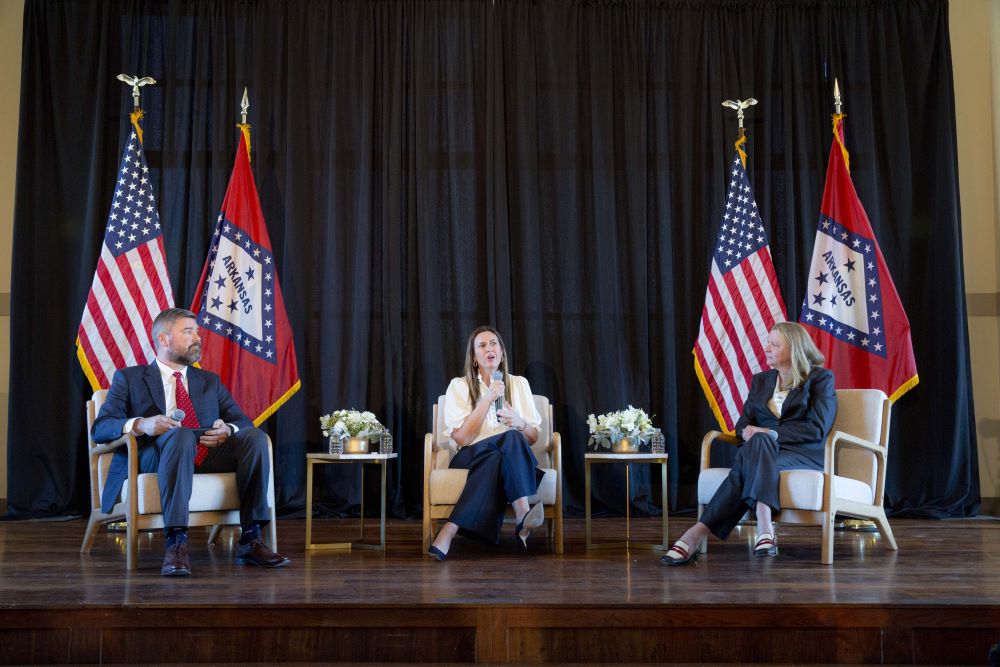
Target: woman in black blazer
787, 415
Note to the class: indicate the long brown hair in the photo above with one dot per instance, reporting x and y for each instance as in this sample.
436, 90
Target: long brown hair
802, 350
472, 368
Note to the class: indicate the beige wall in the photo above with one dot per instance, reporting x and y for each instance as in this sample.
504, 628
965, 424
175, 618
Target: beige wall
11, 16
975, 30
975, 38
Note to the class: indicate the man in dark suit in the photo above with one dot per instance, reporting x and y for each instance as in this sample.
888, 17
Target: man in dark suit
139, 402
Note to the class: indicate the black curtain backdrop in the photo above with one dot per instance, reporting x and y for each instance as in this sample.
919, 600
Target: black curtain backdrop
556, 168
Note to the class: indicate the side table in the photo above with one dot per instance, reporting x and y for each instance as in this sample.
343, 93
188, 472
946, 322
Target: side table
610, 457
377, 459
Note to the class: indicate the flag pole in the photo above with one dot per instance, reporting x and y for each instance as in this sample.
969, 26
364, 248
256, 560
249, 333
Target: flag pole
739, 106
136, 82
243, 124
838, 120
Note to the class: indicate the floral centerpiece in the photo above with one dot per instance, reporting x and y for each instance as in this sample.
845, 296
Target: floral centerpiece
353, 425
611, 429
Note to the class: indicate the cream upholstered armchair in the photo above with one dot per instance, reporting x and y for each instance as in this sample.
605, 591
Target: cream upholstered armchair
443, 485
214, 497
852, 482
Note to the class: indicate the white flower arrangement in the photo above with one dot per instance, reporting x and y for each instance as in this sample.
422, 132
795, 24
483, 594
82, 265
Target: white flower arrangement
611, 427
350, 423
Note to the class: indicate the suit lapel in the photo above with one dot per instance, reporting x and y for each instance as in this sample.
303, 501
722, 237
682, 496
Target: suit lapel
196, 388
154, 382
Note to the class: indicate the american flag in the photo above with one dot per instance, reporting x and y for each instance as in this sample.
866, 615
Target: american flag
131, 285
742, 303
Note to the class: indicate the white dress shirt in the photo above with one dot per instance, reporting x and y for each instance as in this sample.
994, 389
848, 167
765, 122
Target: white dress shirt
458, 406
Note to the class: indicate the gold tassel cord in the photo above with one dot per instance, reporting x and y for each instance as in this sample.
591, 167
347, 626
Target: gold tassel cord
838, 120
135, 117
245, 129
739, 147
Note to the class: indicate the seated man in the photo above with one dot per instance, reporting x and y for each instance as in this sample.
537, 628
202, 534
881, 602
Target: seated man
139, 402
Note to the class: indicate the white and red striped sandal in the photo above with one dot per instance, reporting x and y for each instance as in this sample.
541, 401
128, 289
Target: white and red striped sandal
679, 554
765, 546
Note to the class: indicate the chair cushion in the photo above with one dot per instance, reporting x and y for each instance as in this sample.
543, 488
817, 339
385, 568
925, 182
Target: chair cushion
209, 491
799, 489
446, 486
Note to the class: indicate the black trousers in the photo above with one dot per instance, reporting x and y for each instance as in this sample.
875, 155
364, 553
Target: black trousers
501, 469
755, 477
171, 457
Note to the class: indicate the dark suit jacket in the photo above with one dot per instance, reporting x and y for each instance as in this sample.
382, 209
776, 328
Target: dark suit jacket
806, 416
137, 391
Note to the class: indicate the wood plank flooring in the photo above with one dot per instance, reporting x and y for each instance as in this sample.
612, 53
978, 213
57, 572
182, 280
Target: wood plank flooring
936, 600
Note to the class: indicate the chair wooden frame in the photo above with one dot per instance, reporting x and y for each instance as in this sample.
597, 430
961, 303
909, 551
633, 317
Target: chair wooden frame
553, 513
832, 504
128, 510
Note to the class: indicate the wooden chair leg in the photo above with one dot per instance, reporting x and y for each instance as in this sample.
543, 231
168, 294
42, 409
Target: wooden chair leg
558, 539
883, 525
132, 546
95, 523
428, 531
703, 547
827, 549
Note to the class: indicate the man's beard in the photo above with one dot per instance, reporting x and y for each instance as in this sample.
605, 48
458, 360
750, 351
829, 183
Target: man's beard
189, 358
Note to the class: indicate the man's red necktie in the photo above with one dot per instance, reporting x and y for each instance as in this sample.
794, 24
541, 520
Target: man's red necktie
190, 418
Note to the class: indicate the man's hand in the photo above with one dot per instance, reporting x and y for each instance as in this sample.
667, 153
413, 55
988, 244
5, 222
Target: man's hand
217, 435
154, 426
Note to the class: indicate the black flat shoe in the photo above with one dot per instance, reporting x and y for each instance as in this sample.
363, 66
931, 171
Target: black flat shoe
434, 552
679, 554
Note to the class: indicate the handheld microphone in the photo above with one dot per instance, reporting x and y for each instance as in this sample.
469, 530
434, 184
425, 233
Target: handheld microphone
498, 403
177, 414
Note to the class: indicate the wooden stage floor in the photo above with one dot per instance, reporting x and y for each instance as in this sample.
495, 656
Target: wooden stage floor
935, 601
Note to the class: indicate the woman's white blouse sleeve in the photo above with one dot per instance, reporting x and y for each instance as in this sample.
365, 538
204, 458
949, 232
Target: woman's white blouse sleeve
457, 405
524, 402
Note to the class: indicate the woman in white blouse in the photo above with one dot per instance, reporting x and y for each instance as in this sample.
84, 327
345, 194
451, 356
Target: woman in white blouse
786, 417
494, 446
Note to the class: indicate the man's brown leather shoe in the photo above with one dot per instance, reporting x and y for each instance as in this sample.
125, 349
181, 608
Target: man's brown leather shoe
257, 553
175, 560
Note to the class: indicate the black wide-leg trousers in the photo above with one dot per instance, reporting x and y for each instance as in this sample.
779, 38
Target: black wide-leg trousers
502, 469
755, 477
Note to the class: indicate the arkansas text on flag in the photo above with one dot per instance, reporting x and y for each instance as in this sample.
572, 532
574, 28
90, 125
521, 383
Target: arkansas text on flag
130, 285
742, 303
851, 308
246, 336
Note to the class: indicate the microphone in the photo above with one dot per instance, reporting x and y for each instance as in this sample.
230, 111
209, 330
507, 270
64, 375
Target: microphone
498, 403
178, 414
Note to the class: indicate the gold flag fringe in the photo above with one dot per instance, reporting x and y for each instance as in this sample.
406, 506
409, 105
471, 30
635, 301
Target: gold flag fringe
837, 120
135, 117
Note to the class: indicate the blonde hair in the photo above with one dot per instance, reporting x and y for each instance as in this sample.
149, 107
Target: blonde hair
472, 367
802, 351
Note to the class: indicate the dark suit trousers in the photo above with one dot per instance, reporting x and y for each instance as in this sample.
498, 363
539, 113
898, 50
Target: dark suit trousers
755, 477
171, 457
501, 469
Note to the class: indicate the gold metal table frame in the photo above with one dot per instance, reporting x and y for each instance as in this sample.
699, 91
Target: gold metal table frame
610, 457
377, 459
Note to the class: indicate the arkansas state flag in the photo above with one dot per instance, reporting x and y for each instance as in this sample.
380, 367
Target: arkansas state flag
851, 308
245, 335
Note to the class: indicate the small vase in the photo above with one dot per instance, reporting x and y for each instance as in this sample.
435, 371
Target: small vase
356, 445
627, 445
336, 444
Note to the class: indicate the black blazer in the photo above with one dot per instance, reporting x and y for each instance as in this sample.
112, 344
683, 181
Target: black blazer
806, 416
137, 391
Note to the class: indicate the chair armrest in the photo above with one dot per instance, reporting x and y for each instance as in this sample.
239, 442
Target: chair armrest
555, 451
108, 447
846, 439
706, 445
842, 439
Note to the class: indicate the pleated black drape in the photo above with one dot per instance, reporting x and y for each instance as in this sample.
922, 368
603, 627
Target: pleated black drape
554, 167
